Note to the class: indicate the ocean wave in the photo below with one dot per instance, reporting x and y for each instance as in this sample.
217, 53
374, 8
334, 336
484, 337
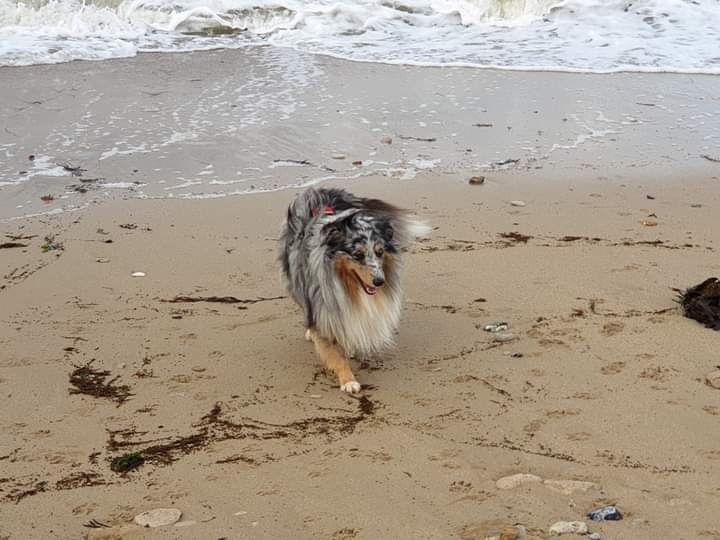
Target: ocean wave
564, 35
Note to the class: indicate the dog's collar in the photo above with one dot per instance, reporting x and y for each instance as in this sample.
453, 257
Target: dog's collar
327, 211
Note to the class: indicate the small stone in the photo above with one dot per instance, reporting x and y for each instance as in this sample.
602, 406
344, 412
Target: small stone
595, 536
568, 527
496, 327
315, 396
568, 487
503, 338
606, 513
160, 517
138, 274
338, 156
102, 260
198, 369
357, 162
516, 355
517, 203
649, 222
712, 379
515, 480
386, 140
476, 180
185, 523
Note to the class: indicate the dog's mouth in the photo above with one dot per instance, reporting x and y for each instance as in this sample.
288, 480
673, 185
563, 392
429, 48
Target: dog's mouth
369, 289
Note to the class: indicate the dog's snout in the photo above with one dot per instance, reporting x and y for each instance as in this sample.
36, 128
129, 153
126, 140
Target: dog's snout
378, 281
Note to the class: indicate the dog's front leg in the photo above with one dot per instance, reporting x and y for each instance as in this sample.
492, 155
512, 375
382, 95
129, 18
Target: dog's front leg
335, 360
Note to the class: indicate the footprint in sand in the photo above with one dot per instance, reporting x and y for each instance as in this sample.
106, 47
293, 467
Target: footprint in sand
613, 368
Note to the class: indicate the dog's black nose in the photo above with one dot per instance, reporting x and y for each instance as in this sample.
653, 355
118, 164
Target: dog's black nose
378, 281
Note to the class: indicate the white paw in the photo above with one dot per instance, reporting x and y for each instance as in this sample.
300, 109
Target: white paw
352, 387
308, 335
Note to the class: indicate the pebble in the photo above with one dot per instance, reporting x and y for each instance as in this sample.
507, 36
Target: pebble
511, 482
160, 517
517, 203
568, 487
102, 260
338, 156
712, 379
138, 274
516, 355
595, 536
386, 140
357, 162
198, 369
186, 523
606, 513
568, 527
496, 327
476, 180
503, 338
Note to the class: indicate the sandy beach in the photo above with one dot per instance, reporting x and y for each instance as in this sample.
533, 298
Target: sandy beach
601, 395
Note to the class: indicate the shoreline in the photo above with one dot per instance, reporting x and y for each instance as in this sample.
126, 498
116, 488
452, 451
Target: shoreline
189, 125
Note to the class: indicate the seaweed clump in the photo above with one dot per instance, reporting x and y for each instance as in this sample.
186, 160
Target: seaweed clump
93, 382
702, 303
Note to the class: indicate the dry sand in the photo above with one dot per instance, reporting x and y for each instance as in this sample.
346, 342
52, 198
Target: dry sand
244, 433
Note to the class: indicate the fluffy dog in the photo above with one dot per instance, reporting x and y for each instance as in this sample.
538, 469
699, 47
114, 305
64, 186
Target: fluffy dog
341, 257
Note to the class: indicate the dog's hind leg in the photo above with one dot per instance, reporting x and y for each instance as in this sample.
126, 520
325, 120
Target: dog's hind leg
335, 360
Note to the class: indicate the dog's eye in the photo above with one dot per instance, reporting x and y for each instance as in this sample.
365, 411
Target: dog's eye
379, 251
358, 255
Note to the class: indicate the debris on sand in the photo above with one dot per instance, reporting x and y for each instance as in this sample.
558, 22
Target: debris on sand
702, 303
711, 158
137, 274
420, 139
9, 245
712, 379
92, 382
386, 140
214, 427
518, 203
515, 237
47, 198
160, 517
568, 527
74, 170
606, 513
51, 244
496, 327
476, 180
483, 125
126, 462
221, 299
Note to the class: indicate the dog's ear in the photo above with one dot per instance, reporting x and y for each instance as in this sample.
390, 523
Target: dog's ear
334, 235
386, 230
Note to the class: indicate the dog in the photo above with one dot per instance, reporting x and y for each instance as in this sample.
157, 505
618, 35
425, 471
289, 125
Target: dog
341, 258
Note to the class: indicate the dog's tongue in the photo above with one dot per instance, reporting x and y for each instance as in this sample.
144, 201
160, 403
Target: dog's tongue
368, 289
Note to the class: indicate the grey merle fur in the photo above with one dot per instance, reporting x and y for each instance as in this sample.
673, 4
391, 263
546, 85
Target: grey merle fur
310, 242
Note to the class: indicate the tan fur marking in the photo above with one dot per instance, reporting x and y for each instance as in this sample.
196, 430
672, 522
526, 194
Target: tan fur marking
333, 358
344, 270
388, 261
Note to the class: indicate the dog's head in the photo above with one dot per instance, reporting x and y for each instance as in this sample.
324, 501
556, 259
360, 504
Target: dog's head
363, 251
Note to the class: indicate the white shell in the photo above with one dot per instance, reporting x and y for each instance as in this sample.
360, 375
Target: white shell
160, 517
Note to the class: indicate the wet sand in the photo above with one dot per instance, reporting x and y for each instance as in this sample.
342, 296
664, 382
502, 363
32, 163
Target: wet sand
242, 431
